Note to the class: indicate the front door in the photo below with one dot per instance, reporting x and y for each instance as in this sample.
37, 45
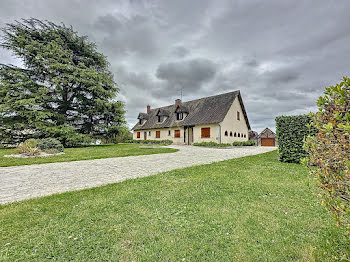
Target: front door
190, 135
145, 135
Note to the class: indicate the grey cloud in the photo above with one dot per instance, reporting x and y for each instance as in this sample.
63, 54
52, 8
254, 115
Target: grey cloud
121, 35
190, 74
280, 54
251, 63
283, 76
180, 51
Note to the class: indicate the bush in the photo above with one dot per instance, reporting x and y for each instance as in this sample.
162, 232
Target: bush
28, 147
329, 150
160, 142
211, 144
291, 132
76, 140
50, 145
244, 143
118, 134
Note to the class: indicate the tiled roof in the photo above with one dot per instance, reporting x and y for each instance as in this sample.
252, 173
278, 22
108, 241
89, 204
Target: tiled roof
143, 116
207, 110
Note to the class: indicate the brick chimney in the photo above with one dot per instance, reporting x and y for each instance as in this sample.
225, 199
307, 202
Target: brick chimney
177, 102
148, 109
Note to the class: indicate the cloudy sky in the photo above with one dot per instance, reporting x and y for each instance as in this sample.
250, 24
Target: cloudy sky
280, 54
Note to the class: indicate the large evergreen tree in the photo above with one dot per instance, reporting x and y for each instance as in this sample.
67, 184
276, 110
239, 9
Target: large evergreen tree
64, 88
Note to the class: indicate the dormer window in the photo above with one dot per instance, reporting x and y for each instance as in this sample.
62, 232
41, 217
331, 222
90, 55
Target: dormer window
162, 114
180, 111
142, 118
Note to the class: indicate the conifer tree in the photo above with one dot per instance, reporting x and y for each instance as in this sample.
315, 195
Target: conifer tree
64, 88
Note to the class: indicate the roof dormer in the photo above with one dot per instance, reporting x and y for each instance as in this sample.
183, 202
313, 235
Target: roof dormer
181, 112
143, 117
162, 114
181, 109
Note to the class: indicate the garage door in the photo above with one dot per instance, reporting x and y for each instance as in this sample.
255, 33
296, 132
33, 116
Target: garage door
267, 141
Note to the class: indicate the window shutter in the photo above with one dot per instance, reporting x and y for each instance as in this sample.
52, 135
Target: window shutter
205, 132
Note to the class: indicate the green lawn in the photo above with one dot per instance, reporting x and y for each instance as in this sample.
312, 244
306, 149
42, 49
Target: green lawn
248, 209
83, 153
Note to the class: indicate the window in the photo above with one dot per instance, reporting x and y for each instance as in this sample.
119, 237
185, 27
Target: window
169, 132
226, 133
205, 132
231, 133
235, 134
149, 133
179, 116
238, 116
157, 134
160, 118
245, 135
239, 135
140, 121
177, 133
138, 134
242, 135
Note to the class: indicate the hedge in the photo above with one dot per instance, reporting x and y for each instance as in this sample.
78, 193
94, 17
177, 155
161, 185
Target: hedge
160, 142
291, 132
211, 144
329, 151
236, 143
244, 143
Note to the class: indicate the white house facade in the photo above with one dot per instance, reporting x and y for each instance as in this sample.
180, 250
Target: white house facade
221, 119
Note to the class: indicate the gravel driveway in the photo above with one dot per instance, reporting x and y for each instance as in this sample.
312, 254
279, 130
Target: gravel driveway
24, 182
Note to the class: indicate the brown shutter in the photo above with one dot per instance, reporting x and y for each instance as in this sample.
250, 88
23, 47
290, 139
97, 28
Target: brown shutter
205, 132
138, 134
157, 134
177, 133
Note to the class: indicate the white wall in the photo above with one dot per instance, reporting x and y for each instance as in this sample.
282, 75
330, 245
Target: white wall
231, 124
197, 133
163, 134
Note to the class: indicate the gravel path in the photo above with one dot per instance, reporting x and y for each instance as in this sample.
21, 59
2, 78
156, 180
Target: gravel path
24, 182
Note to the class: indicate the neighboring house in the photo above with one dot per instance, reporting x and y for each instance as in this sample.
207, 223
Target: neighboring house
253, 136
221, 118
267, 138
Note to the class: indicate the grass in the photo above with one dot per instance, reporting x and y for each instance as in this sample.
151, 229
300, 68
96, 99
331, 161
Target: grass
248, 209
83, 153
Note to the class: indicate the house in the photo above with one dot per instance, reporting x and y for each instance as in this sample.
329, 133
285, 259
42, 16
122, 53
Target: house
221, 118
253, 135
267, 138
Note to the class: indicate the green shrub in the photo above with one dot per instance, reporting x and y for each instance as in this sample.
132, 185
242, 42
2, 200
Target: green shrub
244, 143
159, 142
50, 145
76, 140
329, 150
211, 144
291, 132
28, 147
